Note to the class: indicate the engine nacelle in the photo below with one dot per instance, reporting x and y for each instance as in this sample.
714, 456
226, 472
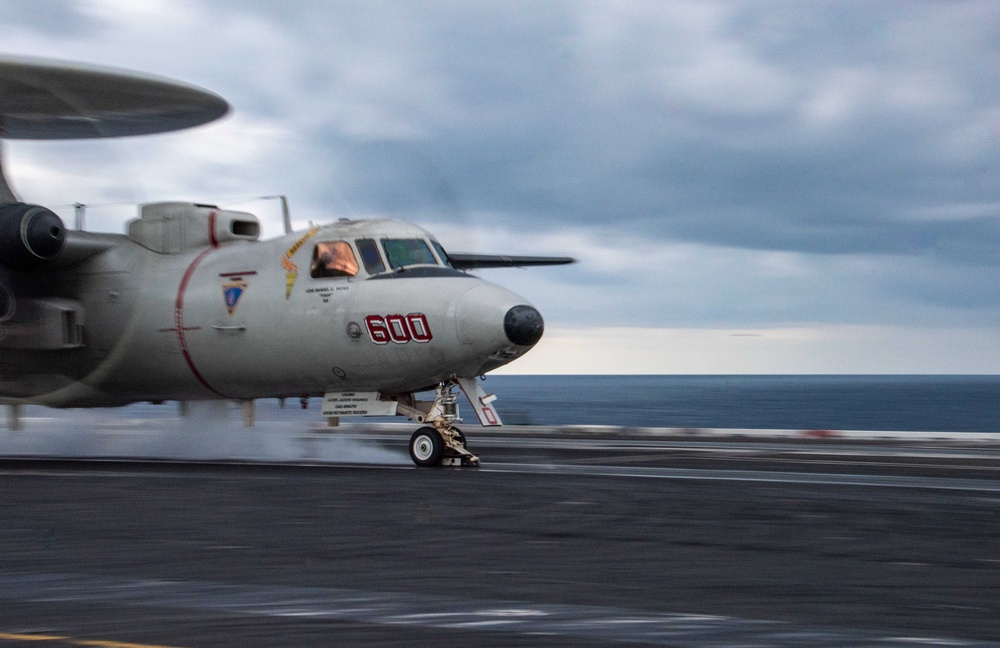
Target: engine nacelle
30, 236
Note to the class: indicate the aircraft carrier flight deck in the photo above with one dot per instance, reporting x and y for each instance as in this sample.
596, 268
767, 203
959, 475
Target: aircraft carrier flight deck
572, 537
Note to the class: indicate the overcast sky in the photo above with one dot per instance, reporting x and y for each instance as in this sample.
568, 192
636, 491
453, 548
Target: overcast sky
750, 187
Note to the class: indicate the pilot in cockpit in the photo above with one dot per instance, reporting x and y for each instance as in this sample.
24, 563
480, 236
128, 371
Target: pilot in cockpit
333, 259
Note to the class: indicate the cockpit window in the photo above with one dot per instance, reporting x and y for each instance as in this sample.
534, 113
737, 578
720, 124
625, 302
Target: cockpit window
333, 259
370, 256
407, 252
441, 253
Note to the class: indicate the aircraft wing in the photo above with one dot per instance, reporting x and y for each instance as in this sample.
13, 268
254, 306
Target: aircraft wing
463, 261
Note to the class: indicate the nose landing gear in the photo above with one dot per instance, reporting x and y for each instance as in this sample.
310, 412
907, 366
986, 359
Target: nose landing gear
439, 443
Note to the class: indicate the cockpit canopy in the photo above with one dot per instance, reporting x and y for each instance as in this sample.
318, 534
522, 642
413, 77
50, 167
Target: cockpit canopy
402, 253
378, 254
387, 248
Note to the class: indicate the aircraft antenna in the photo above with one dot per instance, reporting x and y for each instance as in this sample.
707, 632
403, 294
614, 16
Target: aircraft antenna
285, 214
81, 214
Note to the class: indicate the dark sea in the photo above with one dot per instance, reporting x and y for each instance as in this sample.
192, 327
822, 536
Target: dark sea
915, 403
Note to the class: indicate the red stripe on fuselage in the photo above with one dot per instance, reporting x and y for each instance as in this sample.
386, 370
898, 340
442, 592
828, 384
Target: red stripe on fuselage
179, 322
211, 227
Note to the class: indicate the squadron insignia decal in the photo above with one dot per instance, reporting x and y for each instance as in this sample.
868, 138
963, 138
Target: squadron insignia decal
292, 270
232, 292
234, 287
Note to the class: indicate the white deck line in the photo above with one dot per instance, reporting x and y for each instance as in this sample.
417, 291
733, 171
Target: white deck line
858, 435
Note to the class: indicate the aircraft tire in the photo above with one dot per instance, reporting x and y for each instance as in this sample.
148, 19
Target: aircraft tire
426, 447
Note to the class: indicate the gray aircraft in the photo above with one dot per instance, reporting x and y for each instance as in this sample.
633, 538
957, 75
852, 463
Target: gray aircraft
190, 305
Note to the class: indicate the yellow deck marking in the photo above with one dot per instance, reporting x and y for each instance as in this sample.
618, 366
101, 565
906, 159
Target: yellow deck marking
6, 636
92, 643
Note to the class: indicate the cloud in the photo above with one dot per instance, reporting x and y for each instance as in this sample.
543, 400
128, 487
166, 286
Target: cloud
712, 164
56, 19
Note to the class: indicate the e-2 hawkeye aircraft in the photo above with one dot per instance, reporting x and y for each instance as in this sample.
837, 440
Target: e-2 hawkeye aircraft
191, 305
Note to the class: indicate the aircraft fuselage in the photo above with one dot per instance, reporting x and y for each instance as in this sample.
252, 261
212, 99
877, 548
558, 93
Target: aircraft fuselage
242, 319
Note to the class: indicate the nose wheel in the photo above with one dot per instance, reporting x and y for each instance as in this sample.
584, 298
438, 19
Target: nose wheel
432, 447
439, 442
426, 447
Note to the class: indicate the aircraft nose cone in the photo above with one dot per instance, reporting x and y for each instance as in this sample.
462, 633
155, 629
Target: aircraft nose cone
523, 325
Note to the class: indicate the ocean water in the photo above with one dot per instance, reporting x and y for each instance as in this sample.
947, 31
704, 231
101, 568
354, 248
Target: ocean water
918, 403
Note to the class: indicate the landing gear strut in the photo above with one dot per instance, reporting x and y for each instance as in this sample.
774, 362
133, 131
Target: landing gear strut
439, 443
